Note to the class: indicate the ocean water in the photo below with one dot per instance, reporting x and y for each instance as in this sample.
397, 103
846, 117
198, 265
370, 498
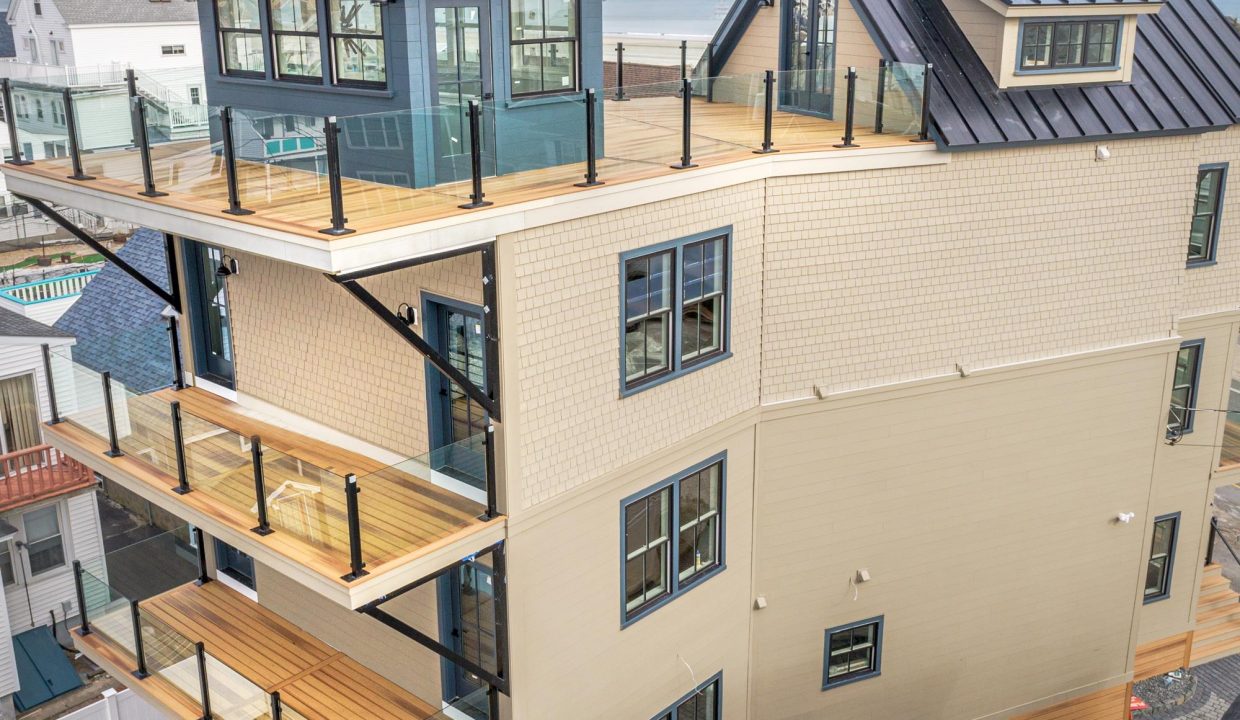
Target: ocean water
681, 18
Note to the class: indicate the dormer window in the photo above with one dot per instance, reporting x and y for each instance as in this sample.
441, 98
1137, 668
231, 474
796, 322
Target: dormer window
1060, 45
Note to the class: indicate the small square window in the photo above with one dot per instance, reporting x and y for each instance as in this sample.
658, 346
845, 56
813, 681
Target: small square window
853, 652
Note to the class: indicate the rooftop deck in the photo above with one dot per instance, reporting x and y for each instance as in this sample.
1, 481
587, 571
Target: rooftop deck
410, 526
40, 473
251, 652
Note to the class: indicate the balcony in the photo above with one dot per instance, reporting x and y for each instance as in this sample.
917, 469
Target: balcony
396, 169
204, 650
39, 473
47, 299
340, 522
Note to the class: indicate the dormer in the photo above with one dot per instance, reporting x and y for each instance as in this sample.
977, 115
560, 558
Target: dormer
1029, 43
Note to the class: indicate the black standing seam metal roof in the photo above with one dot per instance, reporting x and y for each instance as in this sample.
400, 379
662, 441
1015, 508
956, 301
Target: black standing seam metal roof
1186, 78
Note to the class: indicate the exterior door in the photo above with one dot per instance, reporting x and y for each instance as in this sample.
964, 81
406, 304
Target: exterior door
208, 305
19, 404
467, 604
809, 55
460, 72
457, 423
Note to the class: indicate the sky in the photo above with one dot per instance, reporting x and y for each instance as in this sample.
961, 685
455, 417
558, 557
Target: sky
1229, 7
681, 18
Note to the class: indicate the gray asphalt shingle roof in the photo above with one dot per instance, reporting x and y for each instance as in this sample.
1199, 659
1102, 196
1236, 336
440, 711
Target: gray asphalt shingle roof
14, 324
1186, 78
124, 12
117, 322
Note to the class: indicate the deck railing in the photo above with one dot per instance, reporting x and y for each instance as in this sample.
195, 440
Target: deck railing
56, 288
39, 472
352, 518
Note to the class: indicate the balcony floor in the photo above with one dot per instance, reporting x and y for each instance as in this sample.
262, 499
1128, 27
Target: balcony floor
404, 517
245, 639
642, 140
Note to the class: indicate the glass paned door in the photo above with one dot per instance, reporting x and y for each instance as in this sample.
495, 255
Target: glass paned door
460, 72
809, 55
208, 297
468, 595
457, 333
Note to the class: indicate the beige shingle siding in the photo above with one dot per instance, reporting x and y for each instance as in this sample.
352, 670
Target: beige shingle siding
304, 344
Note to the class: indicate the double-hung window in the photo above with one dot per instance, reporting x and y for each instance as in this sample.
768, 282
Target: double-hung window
1069, 44
44, 543
544, 46
1181, 414
1207, 212
6, 564
701, 704
673, 537
1162, 557
675, 308
295, 37
241, 37
356, 31
853, 652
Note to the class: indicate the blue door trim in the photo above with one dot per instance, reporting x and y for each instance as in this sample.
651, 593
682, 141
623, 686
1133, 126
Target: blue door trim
435, 418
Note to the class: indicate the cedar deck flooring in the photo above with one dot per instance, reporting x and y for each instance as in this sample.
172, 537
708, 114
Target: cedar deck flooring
401, 514
642, 138
252, 653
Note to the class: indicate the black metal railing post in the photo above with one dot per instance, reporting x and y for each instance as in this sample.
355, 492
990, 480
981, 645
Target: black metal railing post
178, 442
620, 73
710, 72
174, 340
201, 651
926, 85
230, 163
356, 564
277, 708
10, 117
850, 110
138, 650
880, 96
1210, 541
475, 158
131, 85
143, 139
75, 149
686, 126
80, 589
684, 59
260, 489
489, 458
768, 114
331, 137
201, 545
591, 143
51, 385
114, 448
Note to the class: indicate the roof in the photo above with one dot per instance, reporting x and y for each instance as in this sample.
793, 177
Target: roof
8, 47
14, 324
1035, 3
126, 12
118, 323
1186, 78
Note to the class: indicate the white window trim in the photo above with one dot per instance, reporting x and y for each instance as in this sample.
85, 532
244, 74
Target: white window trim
66, 543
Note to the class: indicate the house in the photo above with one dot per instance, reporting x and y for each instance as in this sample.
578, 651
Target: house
879, 366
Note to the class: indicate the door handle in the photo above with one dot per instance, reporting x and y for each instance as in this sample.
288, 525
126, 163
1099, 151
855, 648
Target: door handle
488, 96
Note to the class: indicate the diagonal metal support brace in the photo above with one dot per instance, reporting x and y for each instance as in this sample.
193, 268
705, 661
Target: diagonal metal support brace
439, 361
443, 650
106, 253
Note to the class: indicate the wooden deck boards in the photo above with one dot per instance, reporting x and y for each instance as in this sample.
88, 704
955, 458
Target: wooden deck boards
642, 139
402, 515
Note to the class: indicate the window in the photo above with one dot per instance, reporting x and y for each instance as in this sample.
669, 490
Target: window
853, 652
38, 9
6, 564
31, 46
1068, 44
544, 46
241, 40
23, 109
38, 108
692, 504
701, 704
374, 132
58, 113
195, 95
295, 36
172, 49
1162, 558
55, 149
1207, 211
357, 43
674, 298
1184, 389
231, 562
44, 543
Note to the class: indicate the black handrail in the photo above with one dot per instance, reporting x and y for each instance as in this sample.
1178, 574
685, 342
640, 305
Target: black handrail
591, 143
114, 448
75, 149
260, 489
230, 164
51, 385
178, 442
139, 650
356, 564
335, 190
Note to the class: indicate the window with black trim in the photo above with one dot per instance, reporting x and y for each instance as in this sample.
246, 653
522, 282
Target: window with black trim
172, 49
853, 652
673, 537
704, 703
1162, 557
1184, 389
1207, 212
1068, 44
295, 38
544, 41
241, 38
356, 37
675, 307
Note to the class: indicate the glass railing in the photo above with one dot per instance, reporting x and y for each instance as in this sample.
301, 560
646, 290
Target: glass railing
233, 696
109, 614
154, 565
170, 656
475, 706
79, 393
652, 60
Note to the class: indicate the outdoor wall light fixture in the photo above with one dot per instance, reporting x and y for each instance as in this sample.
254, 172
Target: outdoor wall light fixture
228, 266
408, 314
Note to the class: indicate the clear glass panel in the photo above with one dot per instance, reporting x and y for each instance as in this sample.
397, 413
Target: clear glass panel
473, 705
39, 117
295, 15
233, 697
360, 60
298, 56
144, 431
109, 614
305, 501
171, 656
243, 52
359, 17
219, 464
239, 13
79, 394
